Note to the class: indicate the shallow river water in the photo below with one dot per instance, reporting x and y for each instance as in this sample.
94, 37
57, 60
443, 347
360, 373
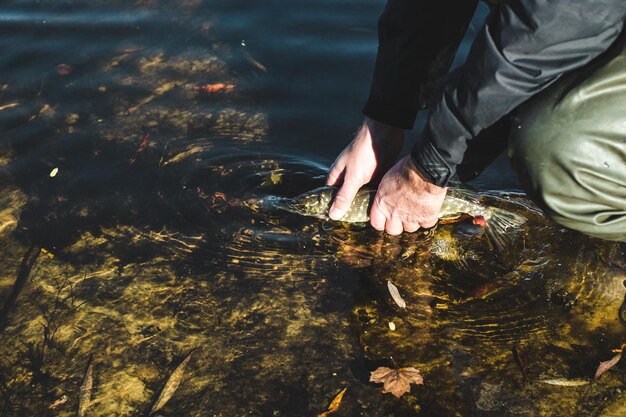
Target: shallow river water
135, 139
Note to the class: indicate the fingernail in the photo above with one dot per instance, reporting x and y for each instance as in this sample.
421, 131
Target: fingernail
334, 213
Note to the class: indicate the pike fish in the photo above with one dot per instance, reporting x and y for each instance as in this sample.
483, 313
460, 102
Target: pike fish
459, 203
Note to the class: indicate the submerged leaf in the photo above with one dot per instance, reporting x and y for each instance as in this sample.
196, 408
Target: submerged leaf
397, 381
86, 387
606, 365
172, 384
522, 361
58, 402
334, 404
395, 294
564, 382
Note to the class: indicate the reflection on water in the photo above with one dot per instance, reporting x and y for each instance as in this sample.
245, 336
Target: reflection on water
145, 244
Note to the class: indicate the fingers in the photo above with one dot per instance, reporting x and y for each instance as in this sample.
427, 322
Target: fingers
336, 173
410, 227
377, 217
381, 219
393, 226
344, 198
427, 224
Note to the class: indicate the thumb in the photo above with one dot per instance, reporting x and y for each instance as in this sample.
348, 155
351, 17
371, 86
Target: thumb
343, 199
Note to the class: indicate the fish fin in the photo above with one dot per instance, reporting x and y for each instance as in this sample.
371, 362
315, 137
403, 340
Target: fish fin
464, 193
499, 225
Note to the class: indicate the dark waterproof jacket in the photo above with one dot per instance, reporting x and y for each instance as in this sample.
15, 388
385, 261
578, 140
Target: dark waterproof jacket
524, 46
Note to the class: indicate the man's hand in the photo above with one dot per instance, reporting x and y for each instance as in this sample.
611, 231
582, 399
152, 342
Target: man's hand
372, 152
405, 201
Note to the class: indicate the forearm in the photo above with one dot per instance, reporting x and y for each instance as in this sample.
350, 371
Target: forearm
523, 48
417, 42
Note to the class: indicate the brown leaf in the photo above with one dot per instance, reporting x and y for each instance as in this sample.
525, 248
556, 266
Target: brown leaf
64, 69
395, 294
605, 366
522, 361
397, 381
214, 88
172, 383
86, 388
8, 106
335, 403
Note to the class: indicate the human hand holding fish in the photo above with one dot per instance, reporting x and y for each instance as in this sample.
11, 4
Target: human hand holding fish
405, 200
372, 152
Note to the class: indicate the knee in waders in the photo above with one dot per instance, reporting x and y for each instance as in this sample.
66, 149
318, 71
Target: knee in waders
574, 171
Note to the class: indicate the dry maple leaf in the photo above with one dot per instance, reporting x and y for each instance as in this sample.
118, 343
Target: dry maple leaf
397, 381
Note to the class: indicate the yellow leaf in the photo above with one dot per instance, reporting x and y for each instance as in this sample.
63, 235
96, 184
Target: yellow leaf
8, 106
275, 177
335, 403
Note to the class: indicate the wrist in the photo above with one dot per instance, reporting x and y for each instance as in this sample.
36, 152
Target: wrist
417, 179
381, 132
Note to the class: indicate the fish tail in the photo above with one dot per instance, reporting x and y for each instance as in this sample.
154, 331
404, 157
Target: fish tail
499, 226
270, 203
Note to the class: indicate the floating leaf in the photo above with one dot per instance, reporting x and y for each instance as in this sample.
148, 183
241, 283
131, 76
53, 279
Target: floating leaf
8, 106
605, 366
395, 294
142, 147
86, 388
64, 69
172, 383
335, 403
276, 177
397, 381
213, 88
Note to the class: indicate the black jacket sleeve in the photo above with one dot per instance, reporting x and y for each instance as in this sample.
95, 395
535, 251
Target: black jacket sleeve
417, 41
524, 46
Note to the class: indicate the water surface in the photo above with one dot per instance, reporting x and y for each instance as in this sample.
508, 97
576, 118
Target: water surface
146, 244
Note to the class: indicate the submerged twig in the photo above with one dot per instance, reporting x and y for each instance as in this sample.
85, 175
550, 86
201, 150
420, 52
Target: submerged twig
28, 261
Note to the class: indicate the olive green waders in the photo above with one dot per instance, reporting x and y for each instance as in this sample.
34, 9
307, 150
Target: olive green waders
568, 146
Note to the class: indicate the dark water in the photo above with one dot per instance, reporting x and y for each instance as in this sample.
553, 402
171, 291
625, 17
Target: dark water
146, 243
